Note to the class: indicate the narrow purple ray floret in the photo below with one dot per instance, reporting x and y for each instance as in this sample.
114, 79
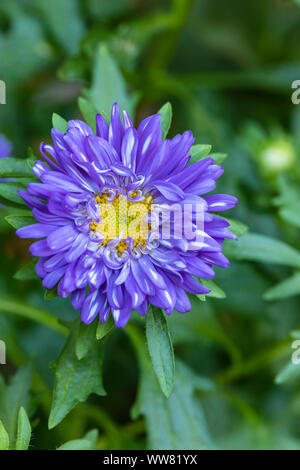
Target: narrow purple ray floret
121, 164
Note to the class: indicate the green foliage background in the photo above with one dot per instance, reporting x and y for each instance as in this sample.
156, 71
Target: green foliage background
227, 68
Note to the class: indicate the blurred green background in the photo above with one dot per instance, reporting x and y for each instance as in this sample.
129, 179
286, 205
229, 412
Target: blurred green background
227, 68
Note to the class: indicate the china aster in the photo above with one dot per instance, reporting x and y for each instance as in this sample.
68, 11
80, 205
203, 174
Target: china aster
91, 185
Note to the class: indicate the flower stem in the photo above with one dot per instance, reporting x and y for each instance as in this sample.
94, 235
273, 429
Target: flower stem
32, 313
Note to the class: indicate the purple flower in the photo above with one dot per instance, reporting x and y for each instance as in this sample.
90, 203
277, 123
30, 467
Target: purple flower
5, 151
5, 147
92, 190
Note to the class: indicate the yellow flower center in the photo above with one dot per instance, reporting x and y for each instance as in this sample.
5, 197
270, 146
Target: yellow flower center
123, 217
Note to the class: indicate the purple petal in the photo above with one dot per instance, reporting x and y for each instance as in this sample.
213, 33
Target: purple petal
129, 148
149, 134
101, 152
39, 268
191, 173
194, 287
35, 231
150, 271
5, 147
62, 238
82, 126
31, 201
182, 303
41, 248
142, 309
78, 297
143, 283
220, 202
169, 190
127, 121
121, 316
51, 279
124, 272
101, 127
91, 306
135, 293
116, 130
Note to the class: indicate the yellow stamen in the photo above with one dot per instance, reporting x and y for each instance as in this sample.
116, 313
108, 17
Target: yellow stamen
123, 216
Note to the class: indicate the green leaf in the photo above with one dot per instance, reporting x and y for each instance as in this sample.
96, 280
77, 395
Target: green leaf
59, 123
31, 157
261, 248
26, 273
291, 214
295, 334
12, 397
88, 111
29, 312
166, 119
15, 167
4, 438
64, 20
218, 157
105, 328
24, 431
73, 68
288, 202
160, 348
176, 422
8, 191
284, 289
103, 11
51, 293
108, 85
85, 338
198, 152
76, 444
75, 379
19, 221
87, 443
19, 48
92, 437
25, 182
289, 372
237, 227
215, 291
